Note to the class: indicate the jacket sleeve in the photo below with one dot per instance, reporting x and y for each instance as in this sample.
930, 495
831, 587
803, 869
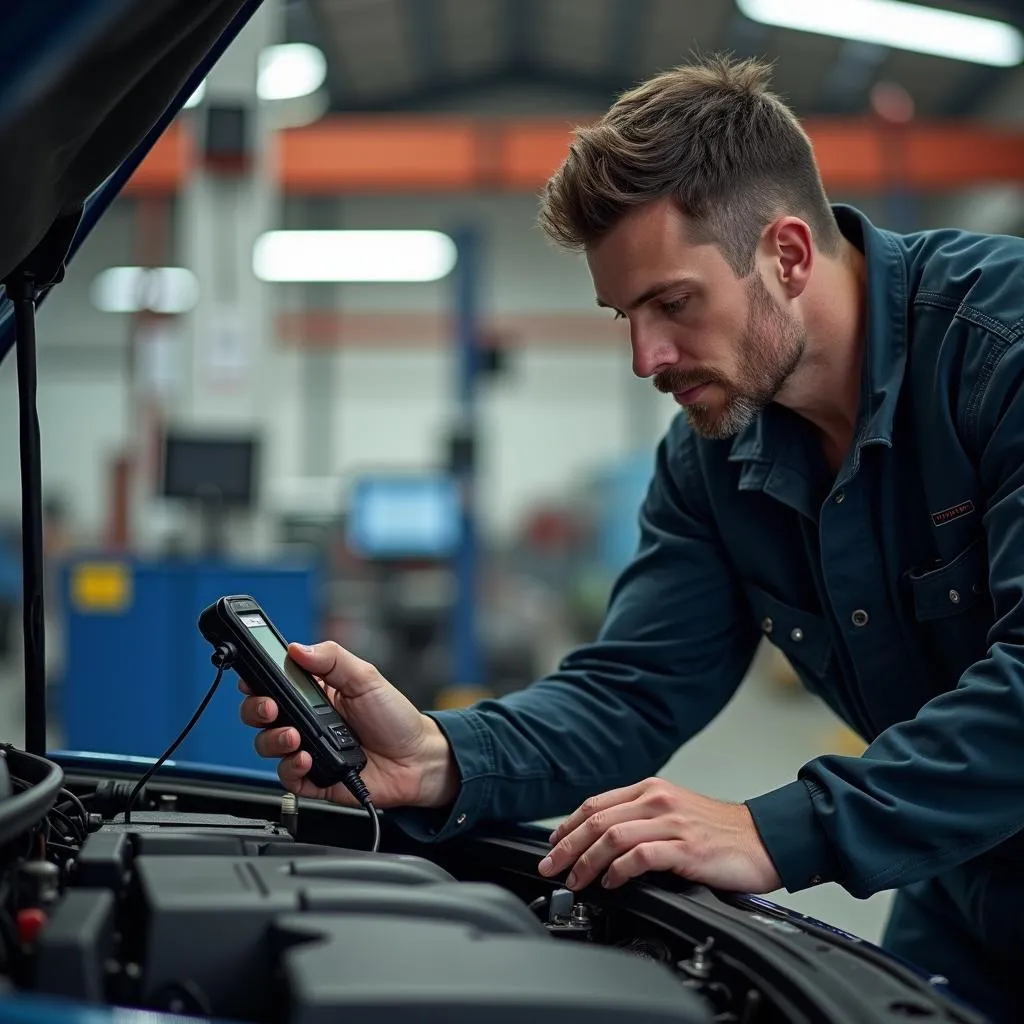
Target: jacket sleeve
676, 641
948, 785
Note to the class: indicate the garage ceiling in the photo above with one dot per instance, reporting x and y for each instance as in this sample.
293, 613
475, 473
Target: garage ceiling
420, 55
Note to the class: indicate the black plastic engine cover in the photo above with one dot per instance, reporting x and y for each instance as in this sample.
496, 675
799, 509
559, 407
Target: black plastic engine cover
205, 921
72, 950
392, 970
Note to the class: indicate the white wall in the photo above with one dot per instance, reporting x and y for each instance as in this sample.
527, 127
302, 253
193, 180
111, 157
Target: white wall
561, 411
82, 392
82, 424
558, 416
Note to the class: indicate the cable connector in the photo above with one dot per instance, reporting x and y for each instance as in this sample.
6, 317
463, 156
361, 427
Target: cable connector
111, 794
224, 655
354, 784
290, 813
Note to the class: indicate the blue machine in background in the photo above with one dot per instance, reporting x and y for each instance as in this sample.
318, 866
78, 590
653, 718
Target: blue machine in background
620, 489
404, 515
137, 667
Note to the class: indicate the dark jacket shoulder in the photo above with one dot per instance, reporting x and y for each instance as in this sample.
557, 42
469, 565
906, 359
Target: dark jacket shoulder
976, 277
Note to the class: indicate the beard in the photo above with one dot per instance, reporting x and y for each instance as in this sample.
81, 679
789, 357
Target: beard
771, 347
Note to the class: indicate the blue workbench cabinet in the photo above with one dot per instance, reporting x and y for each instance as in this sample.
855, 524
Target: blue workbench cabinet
136, 667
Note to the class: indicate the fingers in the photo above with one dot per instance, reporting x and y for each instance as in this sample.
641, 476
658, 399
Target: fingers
277, 742
615, 841
258, 711
593, 824
659, 855
292, 770
338, 668
595, 804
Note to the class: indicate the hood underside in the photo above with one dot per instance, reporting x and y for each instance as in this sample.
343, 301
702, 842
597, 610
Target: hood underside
86, 89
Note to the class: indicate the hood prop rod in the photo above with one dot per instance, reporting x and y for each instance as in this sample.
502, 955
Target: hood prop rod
21, 289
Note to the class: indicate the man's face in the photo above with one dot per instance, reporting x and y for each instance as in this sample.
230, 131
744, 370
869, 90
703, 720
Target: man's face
720, 344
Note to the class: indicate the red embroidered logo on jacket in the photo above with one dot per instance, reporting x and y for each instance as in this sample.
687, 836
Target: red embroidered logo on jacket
947, 515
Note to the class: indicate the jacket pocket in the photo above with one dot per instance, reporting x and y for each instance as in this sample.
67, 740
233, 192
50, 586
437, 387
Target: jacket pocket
953, 610
801, 636
954, 588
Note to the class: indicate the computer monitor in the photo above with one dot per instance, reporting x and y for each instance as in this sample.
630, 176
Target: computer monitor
396, 516
210, 469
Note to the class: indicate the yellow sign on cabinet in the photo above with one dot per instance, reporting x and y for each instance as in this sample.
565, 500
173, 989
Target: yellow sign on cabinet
101, 587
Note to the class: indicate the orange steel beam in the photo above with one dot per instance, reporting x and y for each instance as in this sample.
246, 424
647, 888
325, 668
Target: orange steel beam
349, 154
166, 165
330, 329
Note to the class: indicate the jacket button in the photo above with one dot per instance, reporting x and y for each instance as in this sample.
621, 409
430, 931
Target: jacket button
767, 625
797, 635
816, 879
839, 497
954, 596
460, 820
859, 617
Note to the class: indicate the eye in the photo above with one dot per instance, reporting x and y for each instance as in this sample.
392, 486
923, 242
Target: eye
675, 305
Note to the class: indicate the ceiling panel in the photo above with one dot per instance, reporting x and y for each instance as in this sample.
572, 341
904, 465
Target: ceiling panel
674, 30
935, 83
376, 46
412, 53
575, 37
471, 36
801, 65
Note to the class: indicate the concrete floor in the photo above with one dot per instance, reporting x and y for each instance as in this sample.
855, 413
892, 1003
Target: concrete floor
759, 741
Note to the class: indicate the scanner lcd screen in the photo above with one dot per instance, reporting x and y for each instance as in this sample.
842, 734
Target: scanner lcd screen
306, 688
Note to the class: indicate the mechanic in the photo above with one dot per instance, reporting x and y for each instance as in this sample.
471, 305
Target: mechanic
846, 476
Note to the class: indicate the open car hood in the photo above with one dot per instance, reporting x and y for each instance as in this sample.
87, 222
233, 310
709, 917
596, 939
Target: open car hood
87, 88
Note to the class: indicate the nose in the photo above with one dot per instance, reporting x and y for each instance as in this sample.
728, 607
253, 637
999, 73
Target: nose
651, 353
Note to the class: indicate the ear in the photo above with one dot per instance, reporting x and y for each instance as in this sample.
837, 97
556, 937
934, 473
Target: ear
790, 250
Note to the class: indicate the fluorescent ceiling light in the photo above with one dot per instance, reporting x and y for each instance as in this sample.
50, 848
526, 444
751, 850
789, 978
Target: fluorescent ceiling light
134, 289
353, 256
289, 71
197, 97
900, 25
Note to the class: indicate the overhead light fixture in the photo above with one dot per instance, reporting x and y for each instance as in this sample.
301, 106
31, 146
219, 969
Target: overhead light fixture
899, 25
197, 97
138, 289
290, 70
356, 256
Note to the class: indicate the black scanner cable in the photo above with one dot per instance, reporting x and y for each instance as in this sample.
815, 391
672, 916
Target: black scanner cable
223, 658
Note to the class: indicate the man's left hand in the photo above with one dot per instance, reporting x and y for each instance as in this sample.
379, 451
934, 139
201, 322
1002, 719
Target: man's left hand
655, 826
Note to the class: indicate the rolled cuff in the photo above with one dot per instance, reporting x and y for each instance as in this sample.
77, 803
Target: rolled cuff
474, 758
795, 841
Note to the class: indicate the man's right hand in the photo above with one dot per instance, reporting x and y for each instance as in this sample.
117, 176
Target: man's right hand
409, 761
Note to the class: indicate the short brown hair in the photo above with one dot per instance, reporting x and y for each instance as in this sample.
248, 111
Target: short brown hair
712, 136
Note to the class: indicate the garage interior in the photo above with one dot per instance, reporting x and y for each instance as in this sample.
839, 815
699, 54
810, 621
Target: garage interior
342, 421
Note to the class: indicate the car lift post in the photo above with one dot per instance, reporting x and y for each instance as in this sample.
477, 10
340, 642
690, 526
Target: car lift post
466, 661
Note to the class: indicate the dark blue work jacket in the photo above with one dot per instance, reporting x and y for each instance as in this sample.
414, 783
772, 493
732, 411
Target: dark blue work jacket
895, 588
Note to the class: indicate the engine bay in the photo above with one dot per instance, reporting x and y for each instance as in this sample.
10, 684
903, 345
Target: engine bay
238, 903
